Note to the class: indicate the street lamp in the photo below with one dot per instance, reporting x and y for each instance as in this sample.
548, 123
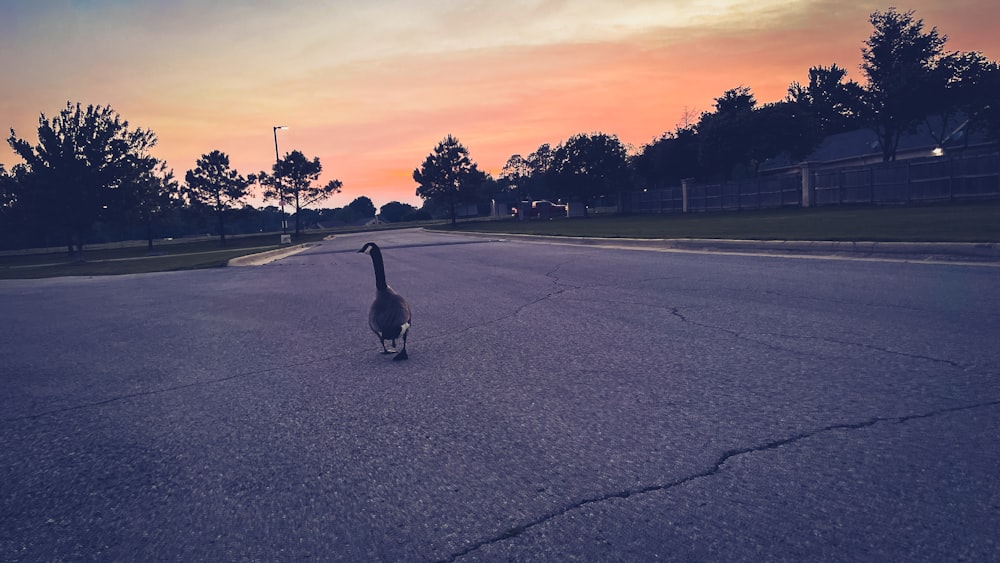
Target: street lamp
277, 178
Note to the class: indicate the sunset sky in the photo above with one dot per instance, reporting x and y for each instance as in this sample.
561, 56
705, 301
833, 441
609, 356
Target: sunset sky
371, 87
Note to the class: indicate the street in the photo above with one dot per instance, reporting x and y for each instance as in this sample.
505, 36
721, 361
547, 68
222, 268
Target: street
560, 403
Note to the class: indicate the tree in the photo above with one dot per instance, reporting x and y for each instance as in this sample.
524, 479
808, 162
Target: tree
539, 181
214, 184
587, 167
989, 116
448, 176
292, 180
154, 193
899, 62
836, 104
781, 128
735, 101
362, 206
78, 172
725, 136
667, 160
8, 205
394, 212
740, 136
515, 175
965, 85
8, 191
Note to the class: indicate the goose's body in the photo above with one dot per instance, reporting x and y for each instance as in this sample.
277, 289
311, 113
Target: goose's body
389, 315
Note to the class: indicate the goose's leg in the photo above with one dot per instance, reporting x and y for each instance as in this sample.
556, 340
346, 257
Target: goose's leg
402, 354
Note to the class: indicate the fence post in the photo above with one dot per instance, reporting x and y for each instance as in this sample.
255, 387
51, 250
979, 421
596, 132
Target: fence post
808, 185
871, 186
906, 191
951, 178
684, 194
841, 178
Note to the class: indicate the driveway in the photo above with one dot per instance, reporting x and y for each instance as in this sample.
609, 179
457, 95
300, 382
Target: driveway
560, 403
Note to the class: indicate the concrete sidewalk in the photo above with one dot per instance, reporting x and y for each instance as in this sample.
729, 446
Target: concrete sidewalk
261, 258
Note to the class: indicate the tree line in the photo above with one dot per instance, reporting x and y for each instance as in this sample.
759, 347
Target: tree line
910, 80
91, 176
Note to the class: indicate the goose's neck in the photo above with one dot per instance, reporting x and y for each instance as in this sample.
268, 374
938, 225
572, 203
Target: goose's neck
379, 269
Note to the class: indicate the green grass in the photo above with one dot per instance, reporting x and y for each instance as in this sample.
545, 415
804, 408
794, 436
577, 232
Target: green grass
966, 222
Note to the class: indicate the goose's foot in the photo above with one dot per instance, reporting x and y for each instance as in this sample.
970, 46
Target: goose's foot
402, 355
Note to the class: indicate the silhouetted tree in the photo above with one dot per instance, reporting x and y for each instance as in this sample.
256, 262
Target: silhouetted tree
667, 160
538, 184
489, 190
10, 220
899, 62
213, 184
394, 211
962, 88
448, 176
154, 193
740, 136
989, 115
726, 135
362, 206
782, 127
836, 104
514, 176
587, 167
292, 179
8, 190
79, 171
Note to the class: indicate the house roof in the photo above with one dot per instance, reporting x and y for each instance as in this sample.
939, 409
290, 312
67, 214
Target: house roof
862, 144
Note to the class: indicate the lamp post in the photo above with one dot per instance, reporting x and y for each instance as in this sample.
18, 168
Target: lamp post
277, 178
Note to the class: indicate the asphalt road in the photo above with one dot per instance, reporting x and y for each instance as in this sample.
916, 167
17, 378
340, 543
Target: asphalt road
560, 403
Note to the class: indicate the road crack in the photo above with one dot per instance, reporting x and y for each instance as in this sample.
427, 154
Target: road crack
881, 349
517, 311
710, 471
676, 312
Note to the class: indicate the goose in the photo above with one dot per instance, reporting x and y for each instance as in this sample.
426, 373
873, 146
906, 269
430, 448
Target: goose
389, 316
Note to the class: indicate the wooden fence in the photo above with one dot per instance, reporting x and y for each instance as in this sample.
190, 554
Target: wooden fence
780, 190
911, 181
969, 177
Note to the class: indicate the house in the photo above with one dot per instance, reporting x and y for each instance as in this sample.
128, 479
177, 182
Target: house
934, 137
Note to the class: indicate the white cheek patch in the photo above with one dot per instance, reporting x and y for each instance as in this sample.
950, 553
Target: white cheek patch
403, 329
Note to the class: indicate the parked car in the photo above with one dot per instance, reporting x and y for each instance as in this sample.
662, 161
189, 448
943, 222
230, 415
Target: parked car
542, 206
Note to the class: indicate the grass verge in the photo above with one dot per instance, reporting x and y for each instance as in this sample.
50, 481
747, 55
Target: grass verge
137, 260
965, 222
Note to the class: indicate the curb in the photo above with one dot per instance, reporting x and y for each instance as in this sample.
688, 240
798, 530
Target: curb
979, 252
986, 252
268, 256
